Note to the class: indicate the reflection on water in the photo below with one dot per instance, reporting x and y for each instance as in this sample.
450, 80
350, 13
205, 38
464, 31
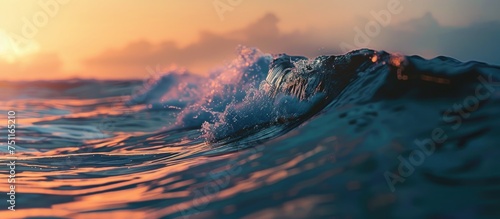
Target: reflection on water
123, 169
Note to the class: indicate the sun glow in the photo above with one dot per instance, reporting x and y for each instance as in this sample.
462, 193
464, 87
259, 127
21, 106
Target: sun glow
13, 48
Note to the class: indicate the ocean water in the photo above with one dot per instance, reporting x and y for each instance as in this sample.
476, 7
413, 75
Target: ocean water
368, 134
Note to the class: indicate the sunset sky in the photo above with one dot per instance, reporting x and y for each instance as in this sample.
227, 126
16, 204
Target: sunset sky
51, 39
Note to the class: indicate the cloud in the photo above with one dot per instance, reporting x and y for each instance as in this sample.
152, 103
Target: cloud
210, 51
422, 36
425, 36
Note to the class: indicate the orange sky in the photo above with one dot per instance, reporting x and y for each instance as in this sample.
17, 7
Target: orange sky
55, 39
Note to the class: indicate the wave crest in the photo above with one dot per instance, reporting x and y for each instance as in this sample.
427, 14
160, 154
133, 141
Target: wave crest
260, 90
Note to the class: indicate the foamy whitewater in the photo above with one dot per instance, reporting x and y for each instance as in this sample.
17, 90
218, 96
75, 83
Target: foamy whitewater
364, 134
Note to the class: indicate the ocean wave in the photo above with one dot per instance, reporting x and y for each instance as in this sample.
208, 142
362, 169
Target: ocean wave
319, 134
260, 90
